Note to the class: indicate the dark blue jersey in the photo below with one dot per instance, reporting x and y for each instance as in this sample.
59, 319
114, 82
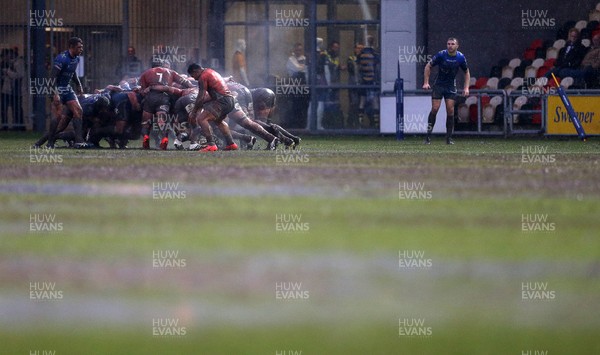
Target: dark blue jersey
66, 66
92, 104
448, 67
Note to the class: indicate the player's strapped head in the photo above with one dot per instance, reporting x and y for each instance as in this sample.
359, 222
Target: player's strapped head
263, 98
74, 41
157, 62
193, 67
102, 103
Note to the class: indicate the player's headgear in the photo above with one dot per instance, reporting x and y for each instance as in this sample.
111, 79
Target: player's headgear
194, 66
157, 62
263, 98
101, 102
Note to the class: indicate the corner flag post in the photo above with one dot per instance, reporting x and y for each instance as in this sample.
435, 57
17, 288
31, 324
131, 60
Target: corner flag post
399, 90
570, 110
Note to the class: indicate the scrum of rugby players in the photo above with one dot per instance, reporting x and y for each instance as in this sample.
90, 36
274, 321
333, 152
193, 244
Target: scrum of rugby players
167, 104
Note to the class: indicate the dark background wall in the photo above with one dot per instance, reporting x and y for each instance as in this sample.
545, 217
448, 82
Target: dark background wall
489, 30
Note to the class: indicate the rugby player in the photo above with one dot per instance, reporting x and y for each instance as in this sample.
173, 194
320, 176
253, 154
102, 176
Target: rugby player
64, 71
449, 61
157, 101
264, 104
243, 109
216, 109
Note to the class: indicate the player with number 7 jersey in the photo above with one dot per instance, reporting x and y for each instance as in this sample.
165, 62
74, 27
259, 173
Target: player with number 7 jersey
156, 104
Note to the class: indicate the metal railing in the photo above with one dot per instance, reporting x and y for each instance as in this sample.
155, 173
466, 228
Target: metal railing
512, 122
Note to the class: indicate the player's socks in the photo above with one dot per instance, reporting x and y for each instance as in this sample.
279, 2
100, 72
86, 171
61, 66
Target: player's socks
449, 129
146, 142
430, 123
78, 127
164, 143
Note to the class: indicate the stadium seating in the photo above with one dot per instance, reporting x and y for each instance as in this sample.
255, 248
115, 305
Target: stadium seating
536, 43
542, 71
504, 82
550, 62
516, 82
508, 72
551, 53
566, 82
541, 81
594, 15
515, 62
517, 104
581, 24
481, 82
529, 54
559, 43
531, 72
492, 83
586, 42
489, 109
463, 113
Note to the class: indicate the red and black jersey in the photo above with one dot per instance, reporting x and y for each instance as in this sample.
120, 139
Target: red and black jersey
162, 76
213, 83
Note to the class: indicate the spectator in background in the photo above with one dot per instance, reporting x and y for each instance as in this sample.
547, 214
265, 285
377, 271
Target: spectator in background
239, 68
368, 68
353, 94
298, 70
569, 57
131, 66
333, 113
13, 71
322, 79
590, 65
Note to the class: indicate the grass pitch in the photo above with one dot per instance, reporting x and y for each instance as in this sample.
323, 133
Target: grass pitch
339, 220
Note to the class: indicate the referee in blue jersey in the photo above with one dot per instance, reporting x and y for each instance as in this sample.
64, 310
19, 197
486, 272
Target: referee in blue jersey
449, 61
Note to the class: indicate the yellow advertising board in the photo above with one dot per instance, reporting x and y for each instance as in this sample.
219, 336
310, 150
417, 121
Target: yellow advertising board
587, 109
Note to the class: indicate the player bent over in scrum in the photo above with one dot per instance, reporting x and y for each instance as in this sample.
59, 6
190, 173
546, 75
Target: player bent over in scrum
216, 109
244, 109
264, 104
156, 101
